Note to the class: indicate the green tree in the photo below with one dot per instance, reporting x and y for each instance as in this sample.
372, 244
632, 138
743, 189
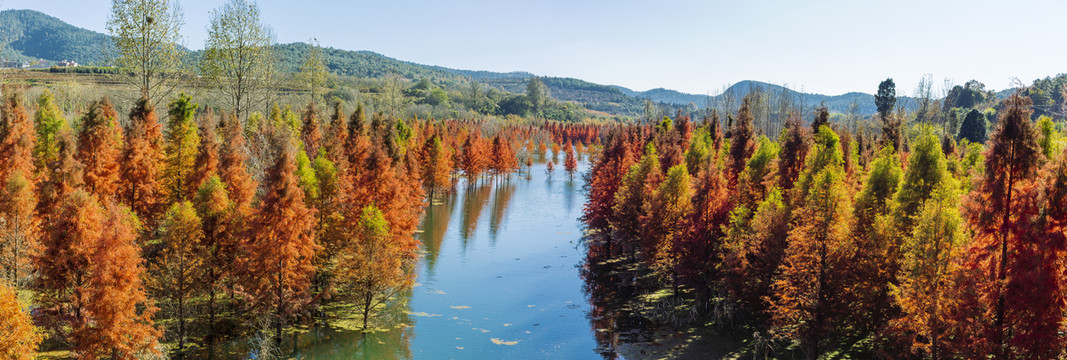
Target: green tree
50, 123
973, 128
886, 98
147, 35
537, 93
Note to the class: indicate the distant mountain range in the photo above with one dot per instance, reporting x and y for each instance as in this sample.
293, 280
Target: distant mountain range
31, 35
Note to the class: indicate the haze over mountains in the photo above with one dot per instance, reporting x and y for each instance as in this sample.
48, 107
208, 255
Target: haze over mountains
31, 35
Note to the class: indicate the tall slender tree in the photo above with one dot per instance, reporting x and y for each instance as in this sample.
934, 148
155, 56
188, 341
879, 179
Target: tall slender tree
282, 246
141, 186
182, 140
99, 149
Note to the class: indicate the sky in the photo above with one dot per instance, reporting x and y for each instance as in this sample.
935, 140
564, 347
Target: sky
699, 47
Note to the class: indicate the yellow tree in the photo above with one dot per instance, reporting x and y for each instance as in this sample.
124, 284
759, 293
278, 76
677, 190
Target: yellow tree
373, 268
177, 274
806, 300
182, 140
929, 257
18, 337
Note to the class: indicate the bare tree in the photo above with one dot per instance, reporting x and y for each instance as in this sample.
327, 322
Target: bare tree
313, 72
147, 37
924, 97
238, 57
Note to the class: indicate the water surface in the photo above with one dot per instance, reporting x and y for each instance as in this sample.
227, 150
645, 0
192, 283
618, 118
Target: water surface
499, 279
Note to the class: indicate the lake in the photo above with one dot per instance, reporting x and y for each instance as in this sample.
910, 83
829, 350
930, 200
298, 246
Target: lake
499, 279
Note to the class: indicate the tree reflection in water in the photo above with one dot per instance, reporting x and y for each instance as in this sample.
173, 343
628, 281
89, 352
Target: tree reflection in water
610, 288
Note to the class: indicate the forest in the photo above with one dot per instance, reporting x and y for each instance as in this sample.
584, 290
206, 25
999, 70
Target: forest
233, 201
188, 227
910, 241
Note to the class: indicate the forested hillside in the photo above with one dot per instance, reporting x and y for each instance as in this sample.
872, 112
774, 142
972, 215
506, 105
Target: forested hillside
34, 35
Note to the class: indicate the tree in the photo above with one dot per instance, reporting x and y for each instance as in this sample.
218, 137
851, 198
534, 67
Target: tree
929, 258
822, 118
886, 98
806, 300
120, 314
141, 186
177, 274
18, 199
753, 250
372, 268
89, 281
220, 245
475, 157
18, 337
313, 72
665, 227
741, 141
182, 140
973, 127
569, 163
751, 187
1003, 249
62, 177
147, 35
631, 199
234, 167
926, 170
237, 55
891, 125
437, 171
19, 229
875, 259
605, 179
17, 137
207, 156
50, 124
99, 149
795, 143
537, 93
310, 132
282, 246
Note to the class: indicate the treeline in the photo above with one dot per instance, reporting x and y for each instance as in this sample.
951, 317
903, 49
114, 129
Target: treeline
191, 228
909, 244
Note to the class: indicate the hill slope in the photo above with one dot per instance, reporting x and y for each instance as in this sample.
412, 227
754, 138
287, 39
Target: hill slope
31, 35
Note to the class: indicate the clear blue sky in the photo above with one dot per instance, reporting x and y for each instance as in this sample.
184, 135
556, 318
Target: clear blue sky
828, 47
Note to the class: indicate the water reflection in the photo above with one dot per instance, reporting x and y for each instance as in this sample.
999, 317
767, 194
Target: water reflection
501, 197
521, 298
475, 198
434, 227
609, 285
392, 343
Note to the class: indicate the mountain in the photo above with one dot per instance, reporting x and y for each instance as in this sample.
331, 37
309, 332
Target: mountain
32, 35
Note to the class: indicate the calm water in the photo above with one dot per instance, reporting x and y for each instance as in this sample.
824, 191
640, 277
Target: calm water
499, 279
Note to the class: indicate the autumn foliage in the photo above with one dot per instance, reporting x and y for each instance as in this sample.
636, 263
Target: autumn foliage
817, 238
